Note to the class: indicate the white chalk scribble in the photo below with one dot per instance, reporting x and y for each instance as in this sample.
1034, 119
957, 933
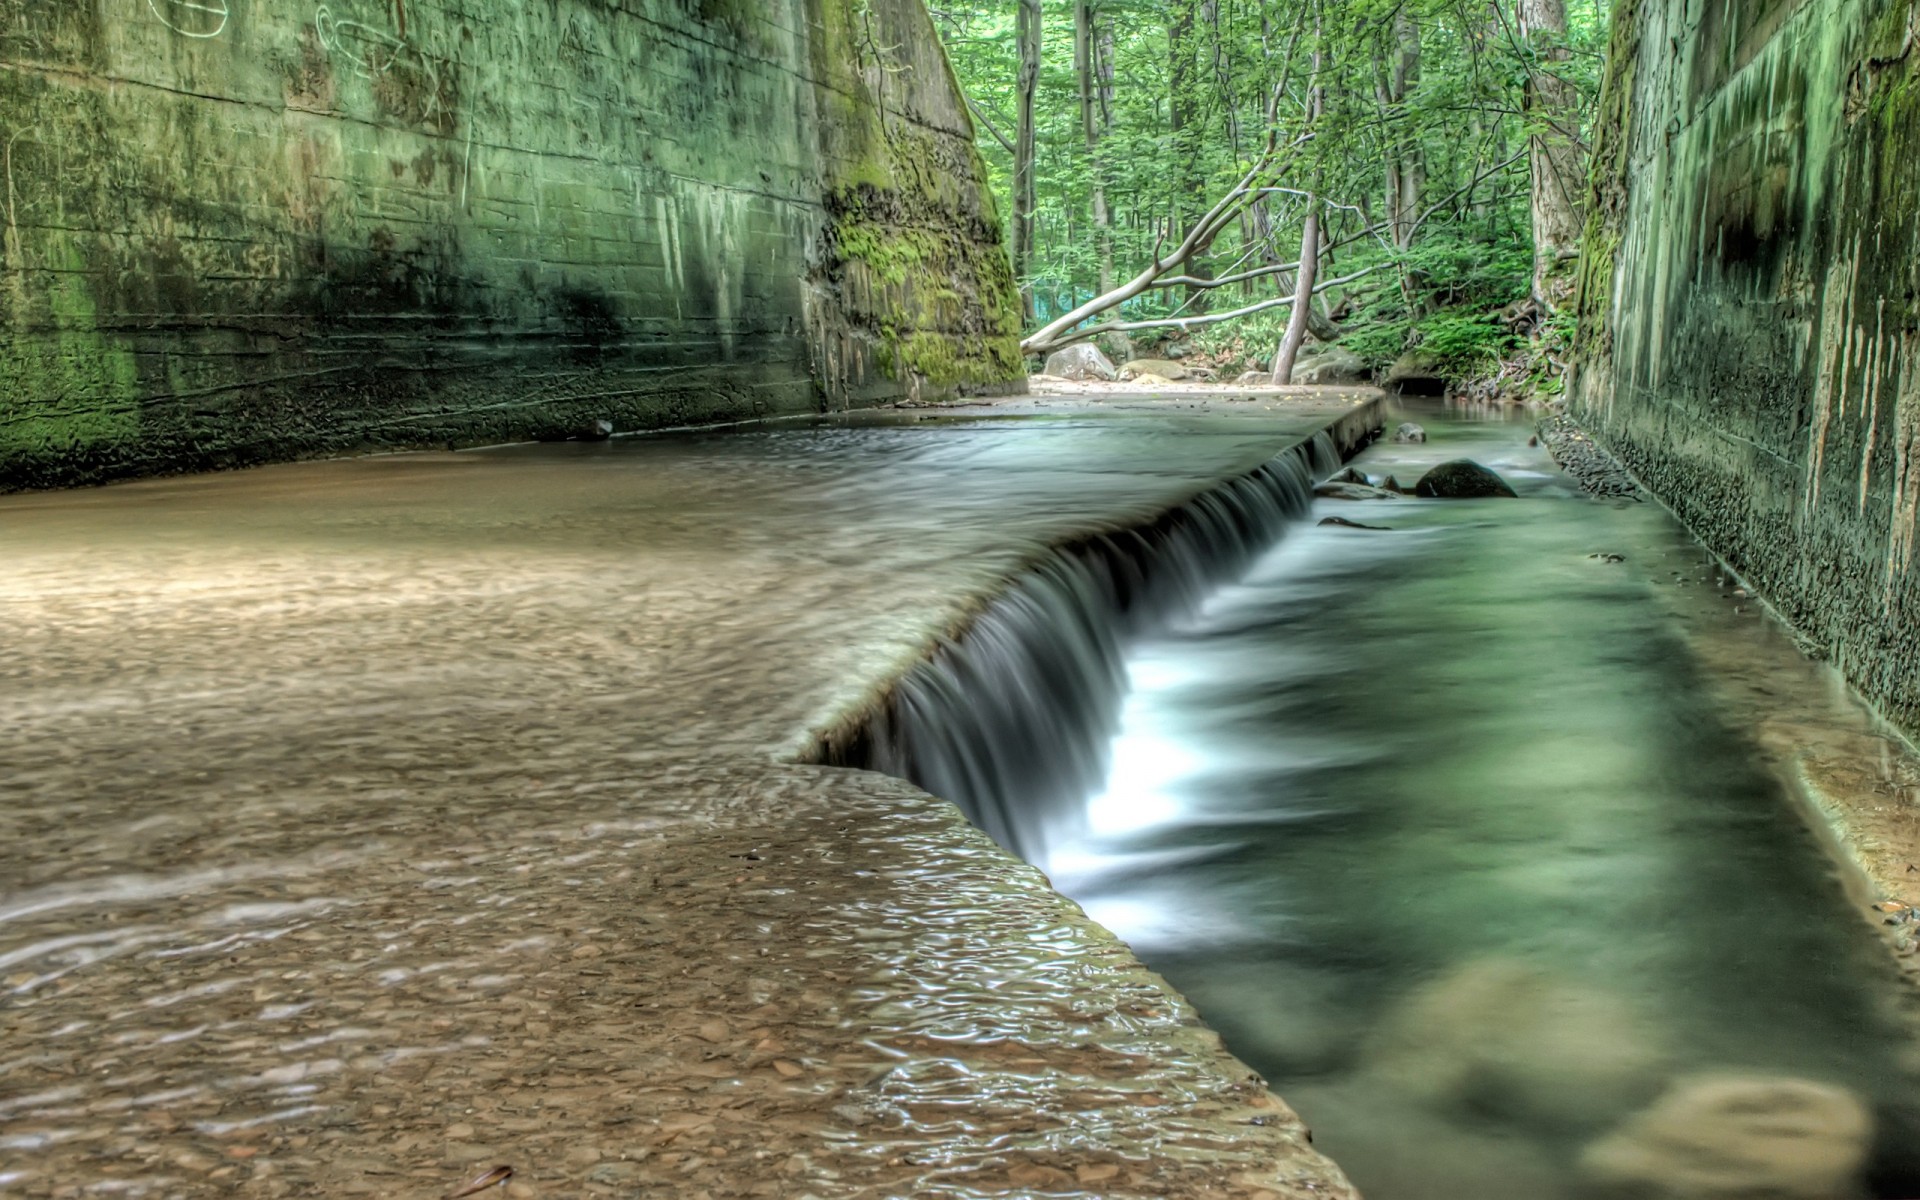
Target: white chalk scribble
368, 50
192, 18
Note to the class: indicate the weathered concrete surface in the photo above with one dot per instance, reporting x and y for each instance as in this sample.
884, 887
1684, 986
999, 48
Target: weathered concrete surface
1750, 329
233, 231
370, 823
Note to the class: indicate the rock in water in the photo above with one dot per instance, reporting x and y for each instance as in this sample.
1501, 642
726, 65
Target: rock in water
1410, 432
1498, 1038
1331, 490
1343, 523
1350, 475
1163, 367
1736, 1137
1081, 361
1461, 479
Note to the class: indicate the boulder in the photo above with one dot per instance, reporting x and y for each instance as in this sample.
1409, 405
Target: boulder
1082, 361
1409, 432
1416, 373
1151, 380
1461, 479
1331, 365
1164, 368
1736, 1137
1352, 491
1350, 475
1499, 1038
1118, 347
1252, 378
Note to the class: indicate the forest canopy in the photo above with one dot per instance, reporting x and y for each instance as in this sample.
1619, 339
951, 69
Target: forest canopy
1424, 161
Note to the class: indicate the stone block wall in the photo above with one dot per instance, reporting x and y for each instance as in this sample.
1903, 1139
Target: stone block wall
1750, 303
234, 231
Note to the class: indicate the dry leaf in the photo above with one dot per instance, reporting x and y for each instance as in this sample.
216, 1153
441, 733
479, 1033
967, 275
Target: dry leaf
481, 1183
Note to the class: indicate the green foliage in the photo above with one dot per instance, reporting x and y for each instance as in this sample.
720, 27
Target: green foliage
1184, 110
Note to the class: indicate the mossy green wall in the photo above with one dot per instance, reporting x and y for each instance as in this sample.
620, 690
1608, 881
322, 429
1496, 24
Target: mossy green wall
234, 231
1750, 321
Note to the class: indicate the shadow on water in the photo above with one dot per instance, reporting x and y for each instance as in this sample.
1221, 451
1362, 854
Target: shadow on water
1438, 826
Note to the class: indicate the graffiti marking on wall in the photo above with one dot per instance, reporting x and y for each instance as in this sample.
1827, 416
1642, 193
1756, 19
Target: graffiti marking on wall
369, 50
192, 18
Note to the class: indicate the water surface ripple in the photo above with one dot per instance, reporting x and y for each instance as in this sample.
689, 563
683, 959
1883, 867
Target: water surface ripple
1443, 828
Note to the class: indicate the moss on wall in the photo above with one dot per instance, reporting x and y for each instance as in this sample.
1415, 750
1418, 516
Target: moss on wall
1607, 190
911, 254
1751, 304
287, 233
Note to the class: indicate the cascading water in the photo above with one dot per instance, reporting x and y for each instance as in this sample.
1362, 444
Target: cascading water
1439, 824
1013, 719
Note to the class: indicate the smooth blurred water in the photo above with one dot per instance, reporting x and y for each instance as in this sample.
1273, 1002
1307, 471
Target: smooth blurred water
1455, 791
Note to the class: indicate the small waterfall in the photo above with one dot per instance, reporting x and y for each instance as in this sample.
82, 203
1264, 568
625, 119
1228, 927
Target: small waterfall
1011, 720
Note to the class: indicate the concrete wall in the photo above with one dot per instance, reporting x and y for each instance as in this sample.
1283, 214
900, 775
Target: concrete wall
1750, 305
236, 230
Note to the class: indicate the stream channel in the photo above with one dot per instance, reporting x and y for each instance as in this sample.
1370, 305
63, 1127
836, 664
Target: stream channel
1439, 827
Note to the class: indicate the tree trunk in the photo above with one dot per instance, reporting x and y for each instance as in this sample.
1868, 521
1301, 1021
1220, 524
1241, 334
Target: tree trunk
1397, 73
1558, 158
1184, 125
1283, 358
1025, 194
1086, 64
1407, 171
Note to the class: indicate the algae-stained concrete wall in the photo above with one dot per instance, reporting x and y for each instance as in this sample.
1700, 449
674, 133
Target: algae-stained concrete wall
239, 230
1750, 308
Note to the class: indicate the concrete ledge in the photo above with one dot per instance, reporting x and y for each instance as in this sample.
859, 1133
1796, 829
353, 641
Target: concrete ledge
387, 820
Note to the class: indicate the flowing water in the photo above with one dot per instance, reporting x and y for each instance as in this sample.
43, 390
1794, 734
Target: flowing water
367, 824
1439, 826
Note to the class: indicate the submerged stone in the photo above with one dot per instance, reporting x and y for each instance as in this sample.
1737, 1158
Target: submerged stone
1733, 1137
1409, 432
1343, 523
1499, 1038
1461, 479
1331, 490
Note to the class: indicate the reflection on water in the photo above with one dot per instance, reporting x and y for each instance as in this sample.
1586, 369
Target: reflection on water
1437, 825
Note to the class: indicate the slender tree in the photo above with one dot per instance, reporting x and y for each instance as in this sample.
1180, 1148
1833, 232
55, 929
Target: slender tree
1555, 149
1025, 189
1087, 72
1289, 351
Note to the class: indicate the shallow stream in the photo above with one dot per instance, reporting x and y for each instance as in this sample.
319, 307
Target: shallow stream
1438, 825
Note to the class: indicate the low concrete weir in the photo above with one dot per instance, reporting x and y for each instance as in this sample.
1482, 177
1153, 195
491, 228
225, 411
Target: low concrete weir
1011, 719
369, 824
1447, 824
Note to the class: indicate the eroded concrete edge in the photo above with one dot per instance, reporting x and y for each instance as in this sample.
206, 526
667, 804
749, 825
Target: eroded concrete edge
1232, 1136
